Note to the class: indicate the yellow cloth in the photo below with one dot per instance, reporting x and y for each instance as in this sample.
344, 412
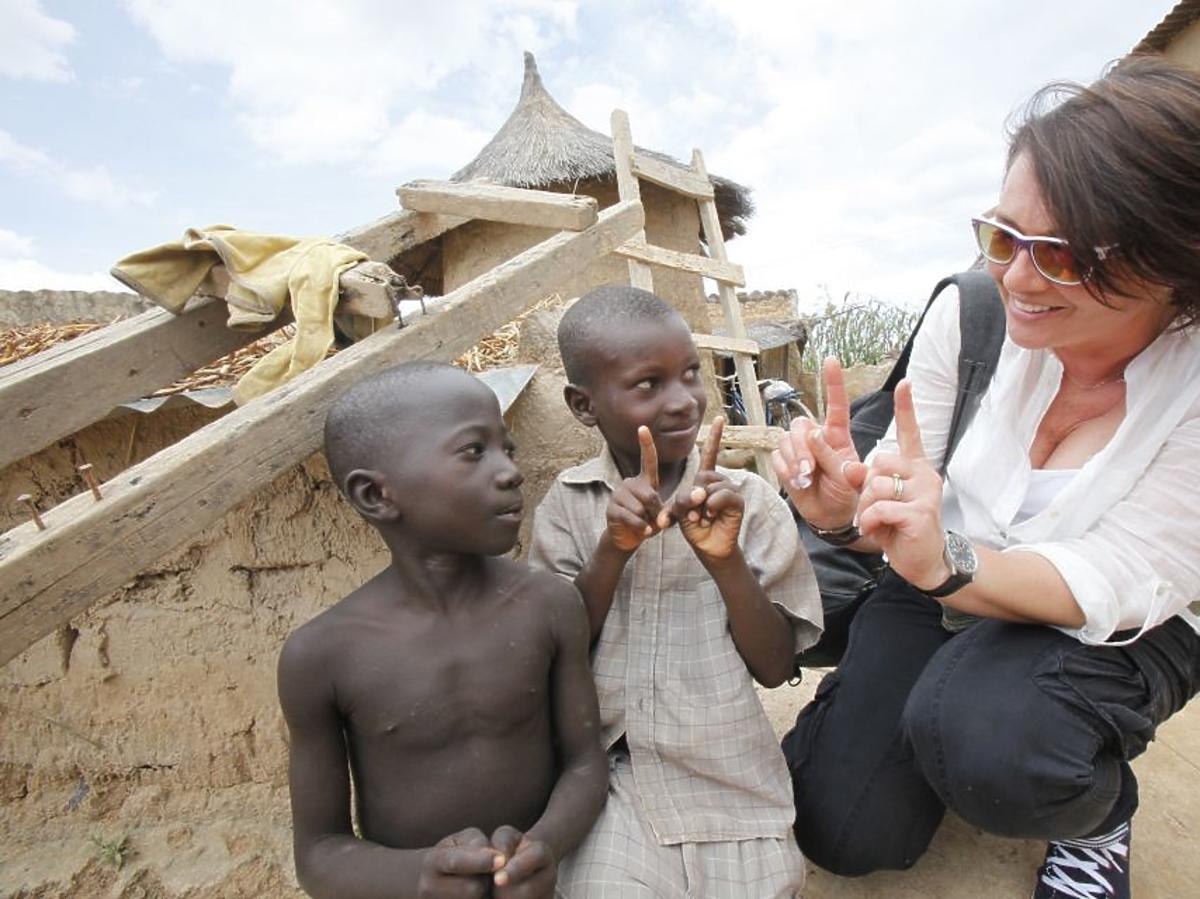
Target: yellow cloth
265, 271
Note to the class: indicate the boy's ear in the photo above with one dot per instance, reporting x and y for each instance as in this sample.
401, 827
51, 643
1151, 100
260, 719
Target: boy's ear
579, 401
368, 494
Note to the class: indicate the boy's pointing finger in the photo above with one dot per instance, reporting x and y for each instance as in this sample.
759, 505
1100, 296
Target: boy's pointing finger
712, 446
649, 456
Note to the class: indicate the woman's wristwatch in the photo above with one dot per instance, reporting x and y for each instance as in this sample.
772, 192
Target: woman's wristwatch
842, 536
962, 561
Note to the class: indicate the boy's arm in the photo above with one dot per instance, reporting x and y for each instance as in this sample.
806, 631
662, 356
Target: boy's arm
582, 784
330, 861
631, 518
710, 516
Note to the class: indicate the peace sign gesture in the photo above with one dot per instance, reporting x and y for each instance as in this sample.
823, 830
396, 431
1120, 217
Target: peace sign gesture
634, 509
710, 513
818, 465
901, 503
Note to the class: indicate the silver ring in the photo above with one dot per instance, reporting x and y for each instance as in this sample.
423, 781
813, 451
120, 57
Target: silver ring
897, 487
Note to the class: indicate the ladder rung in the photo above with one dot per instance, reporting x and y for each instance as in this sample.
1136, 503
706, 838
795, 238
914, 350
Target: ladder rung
725, 272
673, 177
758, 437
723, 344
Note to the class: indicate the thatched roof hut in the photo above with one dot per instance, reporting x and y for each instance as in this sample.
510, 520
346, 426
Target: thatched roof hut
544, 146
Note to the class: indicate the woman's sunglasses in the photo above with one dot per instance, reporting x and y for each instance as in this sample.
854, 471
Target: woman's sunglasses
1051, 255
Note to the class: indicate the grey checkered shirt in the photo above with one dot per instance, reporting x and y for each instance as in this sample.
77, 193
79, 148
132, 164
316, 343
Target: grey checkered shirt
705, 760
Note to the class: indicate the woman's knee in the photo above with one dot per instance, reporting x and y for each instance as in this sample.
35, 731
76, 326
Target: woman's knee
999, 748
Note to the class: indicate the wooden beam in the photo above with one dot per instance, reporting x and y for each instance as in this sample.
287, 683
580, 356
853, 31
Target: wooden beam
727, 272
723, 344
388, 237
763, 438
91, 548
628, 189
495, 203
672, 177
67, 387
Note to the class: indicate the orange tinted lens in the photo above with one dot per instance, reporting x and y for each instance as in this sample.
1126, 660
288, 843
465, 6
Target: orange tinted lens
995, 243
1055, 261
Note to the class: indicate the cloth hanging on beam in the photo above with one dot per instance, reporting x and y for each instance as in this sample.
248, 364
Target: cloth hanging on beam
266, 272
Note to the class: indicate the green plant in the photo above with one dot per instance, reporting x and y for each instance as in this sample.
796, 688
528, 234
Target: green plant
112, 852
858, 332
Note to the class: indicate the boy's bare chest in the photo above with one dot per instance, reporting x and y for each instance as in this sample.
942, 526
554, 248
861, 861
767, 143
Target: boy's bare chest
423, 685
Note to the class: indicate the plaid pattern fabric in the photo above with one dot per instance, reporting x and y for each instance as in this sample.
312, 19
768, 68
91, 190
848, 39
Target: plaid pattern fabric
706, 761
621, 859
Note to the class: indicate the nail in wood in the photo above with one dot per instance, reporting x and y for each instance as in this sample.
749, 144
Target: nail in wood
89, 476
33, 510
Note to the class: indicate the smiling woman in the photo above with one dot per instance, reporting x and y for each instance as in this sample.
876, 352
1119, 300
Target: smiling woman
1034, 627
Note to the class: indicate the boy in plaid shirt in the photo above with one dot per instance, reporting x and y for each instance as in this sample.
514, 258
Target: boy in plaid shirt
695, 587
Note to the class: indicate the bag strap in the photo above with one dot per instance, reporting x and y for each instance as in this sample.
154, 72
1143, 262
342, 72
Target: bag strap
981, 326
900, 369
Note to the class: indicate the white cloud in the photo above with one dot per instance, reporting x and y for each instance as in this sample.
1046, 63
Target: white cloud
32, 43
326, 82
428, 143
92, 184
29, 274
14, 244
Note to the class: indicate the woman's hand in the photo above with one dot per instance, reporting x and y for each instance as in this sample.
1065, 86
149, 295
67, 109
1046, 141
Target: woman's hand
900, 508
818, 465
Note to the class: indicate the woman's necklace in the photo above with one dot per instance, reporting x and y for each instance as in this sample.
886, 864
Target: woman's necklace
1115, 379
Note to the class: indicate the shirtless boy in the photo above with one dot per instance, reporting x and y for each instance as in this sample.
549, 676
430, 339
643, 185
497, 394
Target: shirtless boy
454, 686
695, 587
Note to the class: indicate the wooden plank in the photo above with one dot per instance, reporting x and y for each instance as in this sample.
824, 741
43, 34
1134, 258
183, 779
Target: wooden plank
91, 548
495, 203
628, 189
388, 237
727, 272
762, 438
672, 177
742, 364
723, 344
69, 386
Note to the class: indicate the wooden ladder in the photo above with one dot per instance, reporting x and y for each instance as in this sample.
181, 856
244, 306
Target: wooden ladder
694, 182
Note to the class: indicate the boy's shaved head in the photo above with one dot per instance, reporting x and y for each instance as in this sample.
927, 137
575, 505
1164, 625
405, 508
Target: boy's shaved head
595, 314
369, 417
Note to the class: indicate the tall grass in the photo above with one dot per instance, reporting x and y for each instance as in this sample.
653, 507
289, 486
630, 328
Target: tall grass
859, 331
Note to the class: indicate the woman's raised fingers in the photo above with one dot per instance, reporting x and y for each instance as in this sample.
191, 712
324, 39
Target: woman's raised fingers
908, 432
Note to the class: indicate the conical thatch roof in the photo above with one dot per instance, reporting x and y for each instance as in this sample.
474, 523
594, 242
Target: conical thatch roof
542, 144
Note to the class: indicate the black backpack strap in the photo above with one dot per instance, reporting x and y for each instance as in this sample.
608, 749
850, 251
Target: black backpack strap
981, 326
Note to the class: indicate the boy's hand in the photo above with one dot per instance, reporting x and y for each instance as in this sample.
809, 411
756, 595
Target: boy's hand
530, 870
460, 866
633, 510
710, 514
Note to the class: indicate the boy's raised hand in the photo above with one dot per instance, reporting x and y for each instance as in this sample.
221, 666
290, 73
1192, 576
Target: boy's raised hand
633, 510
710, 514
460, 866
530, 870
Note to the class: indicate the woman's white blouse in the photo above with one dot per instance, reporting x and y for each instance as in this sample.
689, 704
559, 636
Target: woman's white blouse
1124, 533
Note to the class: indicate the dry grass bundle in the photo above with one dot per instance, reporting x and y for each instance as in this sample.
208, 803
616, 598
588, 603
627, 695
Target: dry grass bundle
500, 347
20, 343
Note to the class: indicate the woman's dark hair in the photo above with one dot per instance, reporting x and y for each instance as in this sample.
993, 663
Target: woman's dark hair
1118, 163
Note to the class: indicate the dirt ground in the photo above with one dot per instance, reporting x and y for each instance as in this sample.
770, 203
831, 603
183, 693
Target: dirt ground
965, 863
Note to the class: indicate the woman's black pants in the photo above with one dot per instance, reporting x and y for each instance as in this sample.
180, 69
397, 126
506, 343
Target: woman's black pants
1020, 729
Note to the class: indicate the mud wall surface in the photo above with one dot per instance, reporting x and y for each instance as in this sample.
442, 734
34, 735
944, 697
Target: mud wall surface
19, 308
153, 716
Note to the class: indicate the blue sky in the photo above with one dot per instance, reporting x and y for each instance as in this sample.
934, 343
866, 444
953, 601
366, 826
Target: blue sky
869, 130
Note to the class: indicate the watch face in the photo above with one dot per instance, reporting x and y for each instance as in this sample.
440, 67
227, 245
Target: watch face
960, 553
